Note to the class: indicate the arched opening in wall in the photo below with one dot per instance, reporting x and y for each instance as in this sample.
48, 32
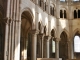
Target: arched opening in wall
61, 14
52, 44
25, 41
77, 45
2, 37
65, 14
78, 13
63, 46
75, 14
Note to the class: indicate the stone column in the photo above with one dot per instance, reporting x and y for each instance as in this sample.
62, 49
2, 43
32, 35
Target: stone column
33, 45
9, 42
69, 49
48, 46
17, 40
41, 37
47, 38
72, 51
6, 40
57, 48
6, 30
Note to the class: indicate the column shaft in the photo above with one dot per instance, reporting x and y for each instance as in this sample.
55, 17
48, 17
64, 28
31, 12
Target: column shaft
6, 31
57, 48
72, 51
12, 54
69, 50
6, 42
42, 45
47, 49
9, 49
17, 40
33, 46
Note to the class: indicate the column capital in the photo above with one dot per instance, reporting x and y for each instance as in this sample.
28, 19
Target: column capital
34, 31
41, 35
57, 39
7, 20
47, 38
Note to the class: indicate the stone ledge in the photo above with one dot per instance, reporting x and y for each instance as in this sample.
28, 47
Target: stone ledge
49, 58
73, 59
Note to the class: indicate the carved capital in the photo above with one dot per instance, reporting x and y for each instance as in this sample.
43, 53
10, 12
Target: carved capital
34, 31
7, 20
41, 36
57, 39
48, 38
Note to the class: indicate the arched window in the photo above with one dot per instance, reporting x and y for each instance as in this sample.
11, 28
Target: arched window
75, 0
62, 0
53, 46
45, 6
64, 13
39, 1
77, 44
75, 14
78, 13
53, 11
61, 14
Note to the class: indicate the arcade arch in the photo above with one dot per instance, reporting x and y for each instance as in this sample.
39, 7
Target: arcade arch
25, 40
63, 46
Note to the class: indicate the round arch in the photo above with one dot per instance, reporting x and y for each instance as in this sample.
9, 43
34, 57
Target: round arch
30, 12
25, 39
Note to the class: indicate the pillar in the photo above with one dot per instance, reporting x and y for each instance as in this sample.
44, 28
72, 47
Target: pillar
17, 40
40, 40
7, 30
48, 46
33, 45
6, 41
72, 50
68, 49
41, 37
10, 40
47, 39
57, 47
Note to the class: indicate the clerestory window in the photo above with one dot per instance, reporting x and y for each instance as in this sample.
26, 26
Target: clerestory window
62, 0
77, 44
76, 0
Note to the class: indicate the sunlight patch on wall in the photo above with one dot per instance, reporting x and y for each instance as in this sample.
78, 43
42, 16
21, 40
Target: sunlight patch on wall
52, 23
46, 24
33, 14
40, 17
17, 52
63, 23
25, 54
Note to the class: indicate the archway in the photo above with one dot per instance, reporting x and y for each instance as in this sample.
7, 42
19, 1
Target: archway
63, 46
76, 44
25, 41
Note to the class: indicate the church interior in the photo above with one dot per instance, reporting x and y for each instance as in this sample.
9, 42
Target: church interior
39, 29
